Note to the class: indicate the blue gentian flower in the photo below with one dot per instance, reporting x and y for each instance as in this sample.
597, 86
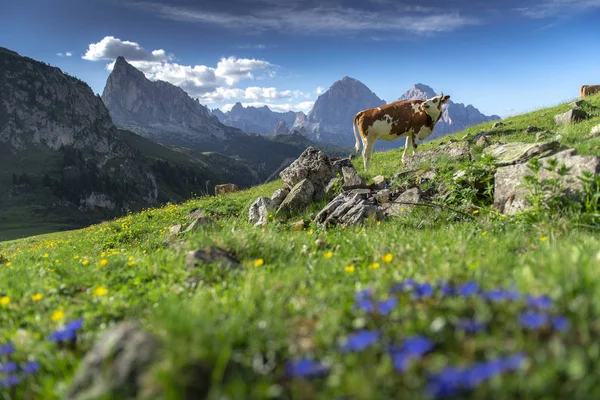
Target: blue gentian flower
533, 320
75, 325
10, 381
471, 325
412, 347
560, 323
7, 349
68, 332
360, 340
446, 383
8, 368
468, 289
363, 294
423, 290
402, 286
513, 362
305, 368
446, 289
512, 295
31, 367
386, 306
541, 302
365, 304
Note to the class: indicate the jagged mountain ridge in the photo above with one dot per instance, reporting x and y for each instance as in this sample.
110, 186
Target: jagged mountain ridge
455, 117
256, 119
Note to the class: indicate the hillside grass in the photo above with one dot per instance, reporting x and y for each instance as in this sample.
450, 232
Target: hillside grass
232, 335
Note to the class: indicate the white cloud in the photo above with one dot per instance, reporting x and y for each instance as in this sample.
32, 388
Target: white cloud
68, 54
550, 8
320, 90
304, 106
111, 47
319, 20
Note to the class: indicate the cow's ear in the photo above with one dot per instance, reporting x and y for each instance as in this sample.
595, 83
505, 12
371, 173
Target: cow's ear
445, 99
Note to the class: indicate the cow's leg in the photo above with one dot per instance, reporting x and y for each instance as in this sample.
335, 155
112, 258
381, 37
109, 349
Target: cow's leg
414, 145
367, 151
409, 143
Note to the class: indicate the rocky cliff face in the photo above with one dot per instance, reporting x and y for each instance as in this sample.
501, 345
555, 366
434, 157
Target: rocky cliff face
158, 110
256, 119
330, 119
455, 117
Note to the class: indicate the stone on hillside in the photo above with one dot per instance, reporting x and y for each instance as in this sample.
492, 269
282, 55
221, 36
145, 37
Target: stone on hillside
577, 103
298, 225
483, 141
532, 129
279, 196
352, 180
570, 117
514, 153
312, 165
337, 165
201, 219
405, 202
479, 135
497, 125
379, 182
595, 131
175, 230
212, 255
299, 197
348, 208
456, 150
115, 366
427, 176
332, 185
510, 193
259, 210
543, 136
382, 196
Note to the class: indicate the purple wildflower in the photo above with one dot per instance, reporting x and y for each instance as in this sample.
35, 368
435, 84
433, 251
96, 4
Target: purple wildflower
360, 340
423, 290
560, 323
533, 320
7, 349
10, 381
412, 347
468, 289
8, 368
386, 306
513, 362
402, 286
75, 325
305, 368
31, 367
447, 289
68, 332
471, 325
365, 304
541, 302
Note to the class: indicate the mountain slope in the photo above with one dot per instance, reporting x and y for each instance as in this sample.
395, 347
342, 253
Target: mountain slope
254, 119
456, 116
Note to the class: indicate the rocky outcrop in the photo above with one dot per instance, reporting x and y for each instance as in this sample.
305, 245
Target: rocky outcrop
330, 119
570, 117
260, 210
299, 197
514, 153
313, 165
456, 116
456, 150
260, 120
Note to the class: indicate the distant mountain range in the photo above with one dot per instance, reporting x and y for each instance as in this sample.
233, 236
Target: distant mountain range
258, 119
330, 119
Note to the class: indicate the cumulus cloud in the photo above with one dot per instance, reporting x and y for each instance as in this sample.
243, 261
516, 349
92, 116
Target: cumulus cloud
111, 47
304, 106
211, 84
320, 90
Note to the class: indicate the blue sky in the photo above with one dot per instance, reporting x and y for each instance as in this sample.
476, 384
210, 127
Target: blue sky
503, 57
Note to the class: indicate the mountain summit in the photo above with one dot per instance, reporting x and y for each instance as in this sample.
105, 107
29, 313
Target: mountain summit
256, 119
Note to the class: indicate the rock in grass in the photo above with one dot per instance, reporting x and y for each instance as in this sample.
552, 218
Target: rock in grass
570, 117
532, 129
595, 131
312, 165
175, 230
405, 202
483, 141
279, 196
212, 255
497, 125
515, 153
351, 179
379, 182
299, 197
115, 366
259, 211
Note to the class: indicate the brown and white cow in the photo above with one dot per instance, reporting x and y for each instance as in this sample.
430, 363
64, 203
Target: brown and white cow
413, 119
225, 188
588, 90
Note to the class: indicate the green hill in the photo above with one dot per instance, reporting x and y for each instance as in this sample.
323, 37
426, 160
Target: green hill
230, 333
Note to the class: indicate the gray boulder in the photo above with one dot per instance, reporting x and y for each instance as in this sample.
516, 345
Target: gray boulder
577, 103
405, 202
510, 193
352, 180
379, 182
299, 197
212, 255
532, 129
312, 165
279, 196
259, 210
115, 366
515, 153
348, 208
483, 141
330, 189
594, 132
570, 117
456, 150
497, 125
337, 165
382, 196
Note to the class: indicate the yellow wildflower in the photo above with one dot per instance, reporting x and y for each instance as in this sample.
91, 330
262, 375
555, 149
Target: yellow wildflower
4, 300
375, 265
103, 254
387, 258
349, 268
310, 232
544, 238
259, 262
103, 262
36, 297
484, 233
85, 262
378, 222
131, 263
76, 257
328, 255
45, 255
8, 264
57, 315
100, 291
131, 258
476, 212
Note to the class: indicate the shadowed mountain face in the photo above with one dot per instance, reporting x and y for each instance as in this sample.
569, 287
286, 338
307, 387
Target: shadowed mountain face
456, 116
257, 119
64, 164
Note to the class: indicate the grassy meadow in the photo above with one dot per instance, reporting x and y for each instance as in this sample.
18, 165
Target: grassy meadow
349, 301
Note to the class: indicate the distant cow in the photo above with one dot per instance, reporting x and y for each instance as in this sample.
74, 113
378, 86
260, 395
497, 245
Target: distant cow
225, 188
414, 119
588, 90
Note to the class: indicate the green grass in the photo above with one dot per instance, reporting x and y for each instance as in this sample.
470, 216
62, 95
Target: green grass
234, 332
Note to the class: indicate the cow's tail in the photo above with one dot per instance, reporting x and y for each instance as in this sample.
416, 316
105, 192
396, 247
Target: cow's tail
354, 123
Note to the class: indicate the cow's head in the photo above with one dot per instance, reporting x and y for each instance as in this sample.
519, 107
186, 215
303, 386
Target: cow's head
433, 106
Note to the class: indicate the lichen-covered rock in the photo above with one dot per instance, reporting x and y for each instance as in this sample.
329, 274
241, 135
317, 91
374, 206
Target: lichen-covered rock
259, 211
352, 180
337, 165
312, 165
515, 153
405, 202
333, 186
299, 197
510, 193
595, 131
115, 366
483, 141
570, 117
379, 182
349, 208
279, 196
382, 196
456, 150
